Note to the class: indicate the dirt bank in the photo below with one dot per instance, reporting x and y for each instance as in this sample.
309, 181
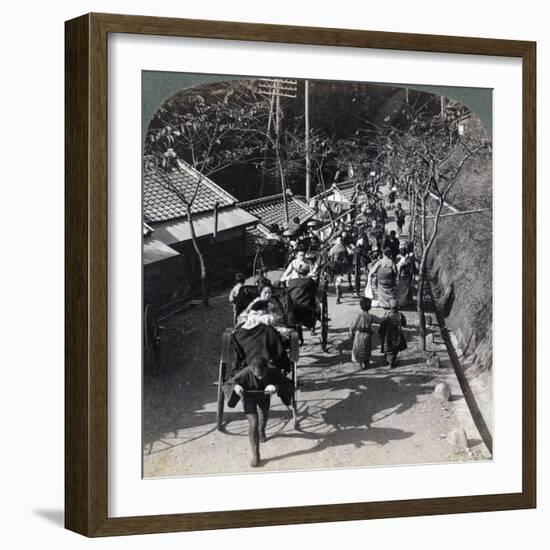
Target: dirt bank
461, 272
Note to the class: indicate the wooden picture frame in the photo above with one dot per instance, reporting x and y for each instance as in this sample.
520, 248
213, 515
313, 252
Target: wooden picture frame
86, 415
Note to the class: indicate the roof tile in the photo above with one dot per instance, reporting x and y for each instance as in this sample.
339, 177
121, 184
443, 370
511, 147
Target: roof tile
162, 204
271, 209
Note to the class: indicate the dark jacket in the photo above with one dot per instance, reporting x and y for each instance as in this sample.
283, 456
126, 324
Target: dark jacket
246, 379
391, 332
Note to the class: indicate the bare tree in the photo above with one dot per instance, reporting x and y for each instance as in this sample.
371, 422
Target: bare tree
423, 153
207, 135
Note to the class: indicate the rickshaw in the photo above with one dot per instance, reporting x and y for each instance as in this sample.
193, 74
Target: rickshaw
230, 363
268, 256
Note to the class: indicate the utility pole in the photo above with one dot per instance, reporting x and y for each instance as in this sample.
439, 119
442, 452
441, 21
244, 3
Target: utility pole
275, 88
269, 119
306, 107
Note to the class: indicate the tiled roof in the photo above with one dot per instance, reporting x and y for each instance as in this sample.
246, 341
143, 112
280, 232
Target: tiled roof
345, 188
161, 204
271, 209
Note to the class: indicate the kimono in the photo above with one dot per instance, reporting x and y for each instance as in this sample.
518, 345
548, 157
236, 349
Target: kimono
405, 270
391, 333
361, 332
384, 269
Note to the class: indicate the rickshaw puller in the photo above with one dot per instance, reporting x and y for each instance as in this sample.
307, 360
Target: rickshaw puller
255, 385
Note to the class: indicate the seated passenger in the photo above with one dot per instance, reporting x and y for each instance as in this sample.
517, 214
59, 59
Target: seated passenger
291, 271
257, 337
258, 313
273, 306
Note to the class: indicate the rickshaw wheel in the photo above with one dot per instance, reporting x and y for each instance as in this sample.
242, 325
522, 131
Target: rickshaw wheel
294, 403
294, 352
225, 359
294, 411
294, 356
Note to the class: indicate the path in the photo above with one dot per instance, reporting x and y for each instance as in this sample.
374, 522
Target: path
348, 417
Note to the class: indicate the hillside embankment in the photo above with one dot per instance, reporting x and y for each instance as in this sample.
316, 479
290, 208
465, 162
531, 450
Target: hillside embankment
461, 277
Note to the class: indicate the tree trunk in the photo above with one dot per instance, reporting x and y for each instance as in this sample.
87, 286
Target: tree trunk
412, 214
426, 246
204, 282
420, 303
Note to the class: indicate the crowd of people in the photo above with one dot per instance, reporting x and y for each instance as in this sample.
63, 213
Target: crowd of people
380, 259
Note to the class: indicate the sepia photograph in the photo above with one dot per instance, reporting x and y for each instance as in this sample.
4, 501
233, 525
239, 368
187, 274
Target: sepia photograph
317, 286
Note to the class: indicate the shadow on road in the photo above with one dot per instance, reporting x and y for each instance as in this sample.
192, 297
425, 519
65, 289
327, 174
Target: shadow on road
349, 421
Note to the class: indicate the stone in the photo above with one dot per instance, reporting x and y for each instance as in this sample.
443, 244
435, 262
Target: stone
457, 438
442, 391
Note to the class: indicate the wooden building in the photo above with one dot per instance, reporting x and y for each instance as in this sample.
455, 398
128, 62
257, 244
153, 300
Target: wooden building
171, 269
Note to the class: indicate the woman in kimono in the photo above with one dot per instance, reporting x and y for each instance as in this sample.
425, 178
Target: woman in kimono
384, 270
361, 332
274, 308
405, 272
371, 290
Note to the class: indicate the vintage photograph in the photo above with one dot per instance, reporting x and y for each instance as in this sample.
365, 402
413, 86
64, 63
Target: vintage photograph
317, 274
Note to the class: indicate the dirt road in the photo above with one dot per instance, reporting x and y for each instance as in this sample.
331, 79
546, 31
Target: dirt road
348, 417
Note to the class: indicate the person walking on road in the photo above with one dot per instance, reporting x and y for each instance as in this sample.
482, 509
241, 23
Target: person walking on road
391, 333
255, 385
384, 271
400, 217
392, 242
361, 332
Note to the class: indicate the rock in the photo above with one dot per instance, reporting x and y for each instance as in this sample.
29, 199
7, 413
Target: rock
457, 438
442, 391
